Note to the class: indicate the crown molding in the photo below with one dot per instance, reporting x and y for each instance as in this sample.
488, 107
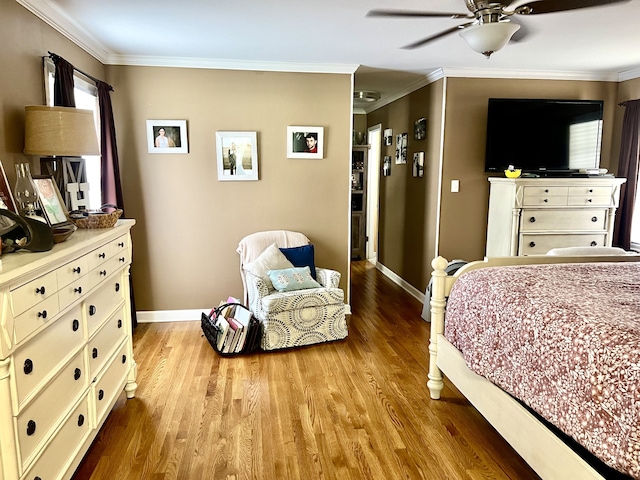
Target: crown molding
418, 84
61, 22
629, 74
531, 74
222, 64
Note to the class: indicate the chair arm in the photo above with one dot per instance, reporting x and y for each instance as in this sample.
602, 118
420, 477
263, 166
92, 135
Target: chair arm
257, 288
327, 278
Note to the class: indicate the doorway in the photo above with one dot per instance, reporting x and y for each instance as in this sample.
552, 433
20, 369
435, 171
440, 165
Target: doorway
374, 139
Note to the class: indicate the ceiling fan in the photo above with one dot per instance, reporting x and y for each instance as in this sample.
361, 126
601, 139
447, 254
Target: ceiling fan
491, 27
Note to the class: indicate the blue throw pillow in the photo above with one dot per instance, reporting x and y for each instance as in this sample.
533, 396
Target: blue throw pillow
290, 279
301, 257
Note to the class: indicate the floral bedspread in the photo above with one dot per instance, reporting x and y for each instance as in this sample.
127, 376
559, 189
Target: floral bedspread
565, 340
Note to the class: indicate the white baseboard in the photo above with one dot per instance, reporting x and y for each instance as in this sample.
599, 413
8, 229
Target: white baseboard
410, 289
159, 316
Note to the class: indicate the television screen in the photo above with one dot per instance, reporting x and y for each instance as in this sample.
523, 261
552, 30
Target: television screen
539, 136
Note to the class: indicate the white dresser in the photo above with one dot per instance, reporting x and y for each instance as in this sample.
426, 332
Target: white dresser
530, 216
65, 348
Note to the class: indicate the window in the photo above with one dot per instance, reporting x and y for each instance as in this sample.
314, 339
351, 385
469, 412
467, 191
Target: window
86, 95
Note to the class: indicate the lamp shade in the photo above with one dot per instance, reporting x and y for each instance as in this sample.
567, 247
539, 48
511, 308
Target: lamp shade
59, 131
487, 38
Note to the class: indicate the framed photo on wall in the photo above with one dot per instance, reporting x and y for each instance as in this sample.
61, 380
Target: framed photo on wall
167, 136
54, 209
237, 154
305, 142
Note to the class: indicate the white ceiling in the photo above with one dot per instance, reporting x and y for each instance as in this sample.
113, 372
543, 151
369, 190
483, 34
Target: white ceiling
600, 43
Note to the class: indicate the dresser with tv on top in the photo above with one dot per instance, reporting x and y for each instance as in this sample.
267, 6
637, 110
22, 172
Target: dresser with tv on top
66, 352
530, 216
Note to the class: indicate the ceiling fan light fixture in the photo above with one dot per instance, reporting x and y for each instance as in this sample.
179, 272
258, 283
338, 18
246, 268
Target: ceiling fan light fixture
487, 38
367, 96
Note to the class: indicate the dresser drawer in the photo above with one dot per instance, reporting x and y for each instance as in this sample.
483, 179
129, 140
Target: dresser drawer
544, 201
72, 271
74, 291
111, 383
586, 191
531, 244
32, 293
98, 256
544, 191
103, 302
44, 353
34, 318
563, 220
119, 245
63, 447
589, 200
105, 341
107, 269
38, 419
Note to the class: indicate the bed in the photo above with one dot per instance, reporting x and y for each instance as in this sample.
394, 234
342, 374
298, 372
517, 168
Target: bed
540, 315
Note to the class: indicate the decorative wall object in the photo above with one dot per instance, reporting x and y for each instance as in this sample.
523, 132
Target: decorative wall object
418, 164
388, 136
386, 166
305, 142
167, 136
237, 155
401, 148
420, 129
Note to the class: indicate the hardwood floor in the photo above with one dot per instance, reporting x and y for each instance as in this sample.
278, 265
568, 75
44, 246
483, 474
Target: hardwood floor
352, 409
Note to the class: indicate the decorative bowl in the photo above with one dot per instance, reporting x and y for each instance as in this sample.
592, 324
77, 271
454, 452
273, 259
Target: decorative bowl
512, 173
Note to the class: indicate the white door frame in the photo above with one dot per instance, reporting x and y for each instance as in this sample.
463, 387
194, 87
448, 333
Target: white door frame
374, 139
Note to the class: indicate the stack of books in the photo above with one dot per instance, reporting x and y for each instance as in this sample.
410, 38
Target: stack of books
233, 325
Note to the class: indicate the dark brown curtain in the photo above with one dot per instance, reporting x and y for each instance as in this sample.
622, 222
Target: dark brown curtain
63, 84
110, 169
628, 168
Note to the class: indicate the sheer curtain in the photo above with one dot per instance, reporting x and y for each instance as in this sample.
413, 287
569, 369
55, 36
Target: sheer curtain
628, 168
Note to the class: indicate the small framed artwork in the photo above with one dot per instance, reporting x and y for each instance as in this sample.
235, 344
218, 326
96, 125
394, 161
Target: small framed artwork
5, 192
418, 164
54, 209
401, 148
305, 142
167, 136
386, 166
420, 129
237, 156
388, 136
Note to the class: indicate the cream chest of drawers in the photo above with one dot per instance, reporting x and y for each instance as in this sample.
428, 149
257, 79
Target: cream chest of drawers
65, 349
530, 216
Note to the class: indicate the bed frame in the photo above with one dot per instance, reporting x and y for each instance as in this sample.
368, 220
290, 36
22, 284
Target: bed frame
545, 452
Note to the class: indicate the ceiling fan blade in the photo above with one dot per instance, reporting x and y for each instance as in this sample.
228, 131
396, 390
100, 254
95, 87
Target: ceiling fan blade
409, 13
552, 6
444, 33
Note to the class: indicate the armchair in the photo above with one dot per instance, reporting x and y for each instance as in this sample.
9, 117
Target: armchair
314, 314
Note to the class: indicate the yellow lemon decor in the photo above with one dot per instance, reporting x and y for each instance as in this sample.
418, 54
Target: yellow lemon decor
512, 172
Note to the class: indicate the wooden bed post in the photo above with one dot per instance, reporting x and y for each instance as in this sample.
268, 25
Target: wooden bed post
437, 303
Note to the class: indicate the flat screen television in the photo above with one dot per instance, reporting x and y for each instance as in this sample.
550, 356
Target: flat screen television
543, 136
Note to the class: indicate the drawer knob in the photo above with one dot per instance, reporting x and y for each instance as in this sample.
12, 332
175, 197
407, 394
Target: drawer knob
28, 366
532, 244
121, 244
100, 394
591, 190
78, 290
117, 287
546, 200
77, 270
119, 323
40, 290
546, 190
594, 219
102, 255
75, 325
92, 309
589, 200
532, 219
594, 243
80, 420
31, 427
94, 353
37, 478
77, 373
103, 273
43, 314
122, 259
124, 359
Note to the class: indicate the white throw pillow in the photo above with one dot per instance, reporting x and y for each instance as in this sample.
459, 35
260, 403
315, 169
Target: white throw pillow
271, 259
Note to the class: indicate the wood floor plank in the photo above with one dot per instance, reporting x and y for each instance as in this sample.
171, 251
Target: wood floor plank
354, 409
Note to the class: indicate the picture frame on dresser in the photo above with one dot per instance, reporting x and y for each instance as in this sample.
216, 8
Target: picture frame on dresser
54, 209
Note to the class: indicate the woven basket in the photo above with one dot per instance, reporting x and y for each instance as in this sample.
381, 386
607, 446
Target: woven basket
98, 220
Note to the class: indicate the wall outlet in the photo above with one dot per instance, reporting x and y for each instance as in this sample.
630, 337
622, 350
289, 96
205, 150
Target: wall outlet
455, 186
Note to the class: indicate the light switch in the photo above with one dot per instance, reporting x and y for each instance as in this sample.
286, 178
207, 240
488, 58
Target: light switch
455, 186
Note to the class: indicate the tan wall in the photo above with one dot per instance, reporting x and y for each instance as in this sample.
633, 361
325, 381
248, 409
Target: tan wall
189, 223
408, 205
25, 39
